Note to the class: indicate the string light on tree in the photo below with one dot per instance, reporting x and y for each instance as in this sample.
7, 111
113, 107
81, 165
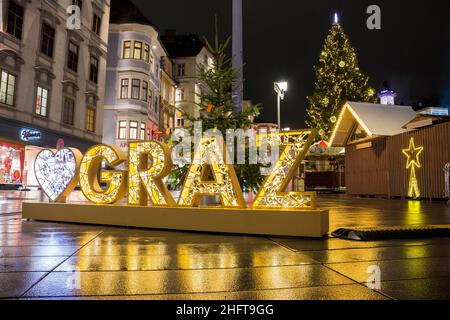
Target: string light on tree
339, 79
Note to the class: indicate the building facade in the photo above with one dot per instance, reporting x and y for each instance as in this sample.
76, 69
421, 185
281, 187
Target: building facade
133, 77
52, 80
168, 89
189, 54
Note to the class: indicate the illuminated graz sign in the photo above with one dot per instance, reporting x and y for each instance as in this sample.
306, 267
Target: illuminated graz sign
149, 162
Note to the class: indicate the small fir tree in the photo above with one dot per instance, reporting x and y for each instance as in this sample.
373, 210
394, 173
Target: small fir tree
217, 110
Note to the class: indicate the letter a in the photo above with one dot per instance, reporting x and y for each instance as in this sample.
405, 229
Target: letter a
374, 21
210, 158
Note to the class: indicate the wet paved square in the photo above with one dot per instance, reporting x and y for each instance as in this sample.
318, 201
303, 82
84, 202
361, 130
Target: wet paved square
66, 261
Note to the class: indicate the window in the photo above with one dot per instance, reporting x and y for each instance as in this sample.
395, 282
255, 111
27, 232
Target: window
358, 134
152, 61
15, 20
150, 97
90, 120
166, 92
124, 89
47, 40
127, 49
68, 111
122, 130
96, 24
41, 101
72, 61
136, 89
133, 130
172, 95
180, 122
181, 70
180, 95
156, 105
7, 88
147, 53
144, 91
143, 130
93, 73
78, 3
138, 50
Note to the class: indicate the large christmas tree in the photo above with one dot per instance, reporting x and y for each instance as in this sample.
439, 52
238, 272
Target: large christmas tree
339, 79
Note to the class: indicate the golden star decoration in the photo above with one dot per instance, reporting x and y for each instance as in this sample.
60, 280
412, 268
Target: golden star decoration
413, 154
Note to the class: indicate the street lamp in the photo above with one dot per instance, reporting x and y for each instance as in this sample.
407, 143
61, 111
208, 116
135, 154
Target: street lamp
280, 88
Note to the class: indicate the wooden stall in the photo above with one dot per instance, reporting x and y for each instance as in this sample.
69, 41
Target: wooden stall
407, 160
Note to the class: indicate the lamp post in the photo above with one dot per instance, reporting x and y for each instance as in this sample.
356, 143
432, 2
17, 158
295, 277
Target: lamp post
238, 64
280, 88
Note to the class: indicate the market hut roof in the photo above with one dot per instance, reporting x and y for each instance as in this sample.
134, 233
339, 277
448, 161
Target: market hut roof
375, 119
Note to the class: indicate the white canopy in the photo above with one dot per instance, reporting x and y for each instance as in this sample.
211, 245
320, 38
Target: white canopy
375, 119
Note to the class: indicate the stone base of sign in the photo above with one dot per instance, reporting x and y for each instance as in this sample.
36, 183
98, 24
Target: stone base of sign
314, 223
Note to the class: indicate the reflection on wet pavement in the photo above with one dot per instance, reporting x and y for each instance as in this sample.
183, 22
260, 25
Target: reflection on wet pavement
56, 260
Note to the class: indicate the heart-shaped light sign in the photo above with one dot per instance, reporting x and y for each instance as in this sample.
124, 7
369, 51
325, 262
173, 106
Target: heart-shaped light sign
57, 172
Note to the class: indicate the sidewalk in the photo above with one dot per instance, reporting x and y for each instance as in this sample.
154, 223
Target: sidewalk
51, 260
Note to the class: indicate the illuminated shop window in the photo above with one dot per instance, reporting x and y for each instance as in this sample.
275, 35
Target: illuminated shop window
11, 163
41, 101
7, 88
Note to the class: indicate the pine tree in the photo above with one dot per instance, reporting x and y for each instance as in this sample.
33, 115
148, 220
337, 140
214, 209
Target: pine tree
339, 80
217, 110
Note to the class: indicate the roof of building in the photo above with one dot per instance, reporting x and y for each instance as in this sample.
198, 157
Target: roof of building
183, 45
425, 120
375, 119
124, 11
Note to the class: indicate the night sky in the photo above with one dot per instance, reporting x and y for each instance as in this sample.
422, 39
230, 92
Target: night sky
283, 39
